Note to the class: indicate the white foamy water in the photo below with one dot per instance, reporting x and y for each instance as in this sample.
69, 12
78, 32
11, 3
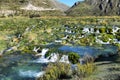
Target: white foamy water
36, 49
64, 59
101, 42
52, 58
116, 41
42, 53
65, 37
115, 29
86, 30
31, 73
58, 41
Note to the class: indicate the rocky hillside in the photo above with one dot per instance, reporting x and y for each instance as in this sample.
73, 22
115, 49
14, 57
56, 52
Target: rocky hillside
33, 5
95, 7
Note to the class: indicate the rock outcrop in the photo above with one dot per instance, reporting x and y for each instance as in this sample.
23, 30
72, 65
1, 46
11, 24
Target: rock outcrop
95, 7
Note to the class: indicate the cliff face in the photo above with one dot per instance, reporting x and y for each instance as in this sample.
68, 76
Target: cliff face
95, 7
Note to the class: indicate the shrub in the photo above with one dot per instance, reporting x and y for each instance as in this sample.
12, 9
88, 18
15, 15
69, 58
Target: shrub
118, 37
73, 57
84, 41
102, 30
34, 15
84, 70
110, 30
56, 71
95, 29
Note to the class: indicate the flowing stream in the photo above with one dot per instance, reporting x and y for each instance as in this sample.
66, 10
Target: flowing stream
28, 67
18, 67
105, 50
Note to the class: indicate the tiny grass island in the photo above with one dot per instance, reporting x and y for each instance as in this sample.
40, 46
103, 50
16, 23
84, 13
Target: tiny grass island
48, 40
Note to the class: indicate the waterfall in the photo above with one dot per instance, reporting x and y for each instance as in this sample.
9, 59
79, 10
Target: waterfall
36, 49
86, 30
58, 41
65, 37
64, 59
115, 29
101, 42
52, 58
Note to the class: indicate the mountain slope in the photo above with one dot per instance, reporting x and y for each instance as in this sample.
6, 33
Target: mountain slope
34, 5
95, 7
59, 5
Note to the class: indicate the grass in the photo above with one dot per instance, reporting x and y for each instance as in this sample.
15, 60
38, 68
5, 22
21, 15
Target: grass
49, 29
107, 69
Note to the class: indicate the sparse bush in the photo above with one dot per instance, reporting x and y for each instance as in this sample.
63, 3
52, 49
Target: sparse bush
73, 57
95, 29
110, 30
34, 15
84, 70
118, 37
56, 71
102, 30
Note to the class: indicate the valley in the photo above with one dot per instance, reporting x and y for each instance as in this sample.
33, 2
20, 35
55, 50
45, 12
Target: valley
49, 40
29, 45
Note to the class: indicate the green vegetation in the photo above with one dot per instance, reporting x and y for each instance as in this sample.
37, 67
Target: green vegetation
63, 71
84, 70
56, 71
31, 32
73, 57
23, 34
102, 30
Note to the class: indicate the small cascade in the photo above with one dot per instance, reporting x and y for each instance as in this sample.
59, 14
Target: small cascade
19, 36
53, 57
98, 31
65, 37
86, 30
1, 53
116, 41
36, 49
115, 29
101, 42
92, 30
42, 58
81, 37
42, 53
39, 74
58, 41
67, 31
64, 59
